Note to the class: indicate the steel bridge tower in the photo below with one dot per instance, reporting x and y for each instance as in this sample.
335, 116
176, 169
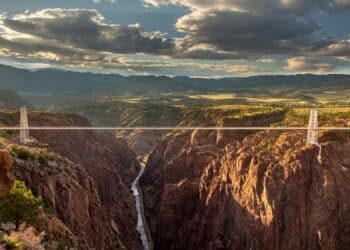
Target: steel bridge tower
312, 132
24, 126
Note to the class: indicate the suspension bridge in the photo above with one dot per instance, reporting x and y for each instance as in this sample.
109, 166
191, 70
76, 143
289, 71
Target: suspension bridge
311, 139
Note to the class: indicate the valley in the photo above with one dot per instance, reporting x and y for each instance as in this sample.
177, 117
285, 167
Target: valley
264, 189
174, 125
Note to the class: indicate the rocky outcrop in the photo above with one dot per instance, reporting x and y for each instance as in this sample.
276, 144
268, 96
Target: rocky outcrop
141, 141
108, 161
266, 190
5, 165
73, 213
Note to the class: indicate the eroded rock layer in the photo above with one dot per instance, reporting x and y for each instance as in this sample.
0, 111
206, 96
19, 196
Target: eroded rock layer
234, 190
100, 193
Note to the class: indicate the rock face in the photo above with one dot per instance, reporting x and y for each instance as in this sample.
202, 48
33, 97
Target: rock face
111, 165
5, 165
141, 141
108, 161
266, 190
74, 214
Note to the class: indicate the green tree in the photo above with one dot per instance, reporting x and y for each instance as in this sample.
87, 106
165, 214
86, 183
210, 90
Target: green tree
20, 205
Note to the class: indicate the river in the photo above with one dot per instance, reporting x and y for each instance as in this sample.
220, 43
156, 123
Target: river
142, 226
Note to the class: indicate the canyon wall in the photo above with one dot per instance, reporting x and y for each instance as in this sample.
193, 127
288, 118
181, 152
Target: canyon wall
252, 190
109, 166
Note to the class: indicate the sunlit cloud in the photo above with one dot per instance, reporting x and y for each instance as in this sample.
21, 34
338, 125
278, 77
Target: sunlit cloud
307, 65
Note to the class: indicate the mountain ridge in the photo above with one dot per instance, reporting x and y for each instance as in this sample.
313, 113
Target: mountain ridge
72, 82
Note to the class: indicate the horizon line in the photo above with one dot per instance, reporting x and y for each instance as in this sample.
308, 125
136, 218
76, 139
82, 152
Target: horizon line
213, 77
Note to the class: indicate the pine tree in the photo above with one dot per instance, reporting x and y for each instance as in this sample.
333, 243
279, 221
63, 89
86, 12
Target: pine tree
20, 205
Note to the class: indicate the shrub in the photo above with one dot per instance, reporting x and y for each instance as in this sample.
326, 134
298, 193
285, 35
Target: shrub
20, 205
21, 153
26, 238
12, 243
42, 159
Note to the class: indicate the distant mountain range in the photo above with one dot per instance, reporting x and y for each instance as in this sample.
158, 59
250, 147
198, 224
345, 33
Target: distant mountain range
10, 100
68, 83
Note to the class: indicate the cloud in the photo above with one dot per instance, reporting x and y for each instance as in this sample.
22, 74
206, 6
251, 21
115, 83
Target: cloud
265, 60
251, 28
231, 69
79, 38
203, 51
299, 7
307, 65
216, 30
340, 4
99, 1
239, 32
56, 54
338, 49
236, 29
85, 29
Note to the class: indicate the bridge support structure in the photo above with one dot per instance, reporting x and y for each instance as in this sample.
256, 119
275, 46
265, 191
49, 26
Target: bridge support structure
24, 126
312, 132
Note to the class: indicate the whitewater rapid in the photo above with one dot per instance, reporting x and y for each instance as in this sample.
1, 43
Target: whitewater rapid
141, 227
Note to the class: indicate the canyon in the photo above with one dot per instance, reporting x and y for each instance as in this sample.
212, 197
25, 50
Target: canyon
86, 181
206, 189
265, 190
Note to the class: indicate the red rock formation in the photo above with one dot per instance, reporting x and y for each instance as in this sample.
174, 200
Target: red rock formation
108, 161
5, 165
260, 191
75, 215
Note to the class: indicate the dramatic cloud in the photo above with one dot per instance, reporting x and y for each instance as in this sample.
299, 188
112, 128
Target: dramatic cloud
252, 28
338, 49
57, 54
257, 6
246, 33
204, 51
307, 65
78, 38
85, 29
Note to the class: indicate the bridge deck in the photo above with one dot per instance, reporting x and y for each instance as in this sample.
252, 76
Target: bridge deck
169, 128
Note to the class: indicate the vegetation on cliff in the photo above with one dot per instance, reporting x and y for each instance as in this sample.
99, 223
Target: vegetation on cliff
20, 205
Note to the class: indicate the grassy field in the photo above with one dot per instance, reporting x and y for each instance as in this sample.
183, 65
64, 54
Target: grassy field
218, 107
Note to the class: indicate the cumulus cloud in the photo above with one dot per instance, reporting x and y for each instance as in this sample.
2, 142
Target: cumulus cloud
338, 49
78, 38
307, 65
218, 30
85, 29
250, 29
244, 28
246, 33
257, 6
204, 51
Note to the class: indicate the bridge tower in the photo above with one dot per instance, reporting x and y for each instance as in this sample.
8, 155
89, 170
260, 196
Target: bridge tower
312, 132
24, 126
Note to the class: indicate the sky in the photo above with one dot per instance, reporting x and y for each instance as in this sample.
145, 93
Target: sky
197, 38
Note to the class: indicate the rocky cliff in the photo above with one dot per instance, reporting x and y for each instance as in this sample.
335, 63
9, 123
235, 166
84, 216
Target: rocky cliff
109, 165
253, 190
